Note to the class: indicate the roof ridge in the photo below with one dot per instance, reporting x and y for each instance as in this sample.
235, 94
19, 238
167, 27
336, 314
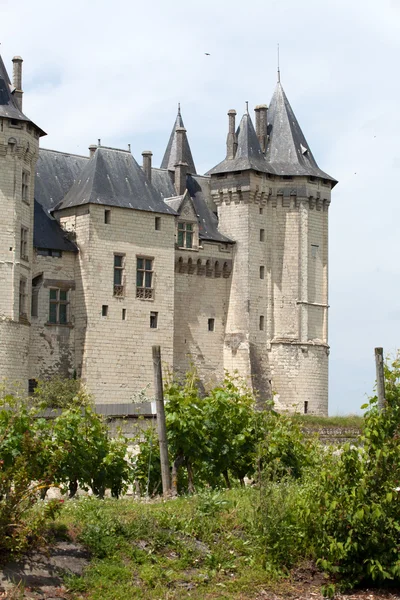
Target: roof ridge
64, 153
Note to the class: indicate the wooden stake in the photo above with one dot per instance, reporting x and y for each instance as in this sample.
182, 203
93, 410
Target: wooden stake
161, 427
380, 378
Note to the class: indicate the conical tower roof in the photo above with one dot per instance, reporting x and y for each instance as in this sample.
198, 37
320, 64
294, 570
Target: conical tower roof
288, 152
8, 105
248, 154
171, 156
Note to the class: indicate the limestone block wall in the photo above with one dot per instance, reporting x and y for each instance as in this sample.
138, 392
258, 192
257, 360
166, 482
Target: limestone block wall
114, 337
19, 143
14, 356
299, 375
202, 288
52, 346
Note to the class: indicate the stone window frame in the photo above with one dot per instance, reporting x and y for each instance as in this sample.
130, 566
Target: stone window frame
144, 277
25, 181
119, 274
23, 297
59, 298
186, 230
24, 243
153, 320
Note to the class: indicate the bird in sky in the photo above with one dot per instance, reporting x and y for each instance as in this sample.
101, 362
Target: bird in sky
207, 53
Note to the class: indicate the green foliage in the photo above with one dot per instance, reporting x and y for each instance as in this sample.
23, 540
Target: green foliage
353, 509
284, 450
35, 453
58, 392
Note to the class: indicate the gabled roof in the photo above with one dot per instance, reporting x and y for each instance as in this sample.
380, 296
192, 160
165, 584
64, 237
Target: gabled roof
287, 150
171, 157
199, 190
56, 172
8, 105
248, 154
112, 177
48, 233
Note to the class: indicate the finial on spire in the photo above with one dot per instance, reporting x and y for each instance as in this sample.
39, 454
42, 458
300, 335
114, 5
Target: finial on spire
279, 71
247, 107
179, 108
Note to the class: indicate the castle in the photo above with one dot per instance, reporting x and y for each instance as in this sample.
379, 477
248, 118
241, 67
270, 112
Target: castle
100, 259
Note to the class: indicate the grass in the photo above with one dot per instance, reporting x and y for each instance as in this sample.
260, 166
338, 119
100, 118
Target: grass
314, 421
202, 547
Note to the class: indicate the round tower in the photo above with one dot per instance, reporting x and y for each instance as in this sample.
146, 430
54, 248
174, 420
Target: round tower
19, 147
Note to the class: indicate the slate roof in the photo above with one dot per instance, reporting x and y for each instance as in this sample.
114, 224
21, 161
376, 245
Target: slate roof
47, 233
199, 190
288, 152
8, 105
170, 157
113, 178
56, 172
248, 154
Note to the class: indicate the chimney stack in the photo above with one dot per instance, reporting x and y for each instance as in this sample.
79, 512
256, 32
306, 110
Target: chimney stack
180, 135
92, 150
261, 125
181, 169
17, 80
231, 142
147, 154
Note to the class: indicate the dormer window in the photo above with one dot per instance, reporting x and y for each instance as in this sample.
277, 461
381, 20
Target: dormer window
185, 235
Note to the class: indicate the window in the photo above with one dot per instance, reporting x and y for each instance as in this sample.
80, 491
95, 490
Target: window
305, 407
157, 223
58, 309
15, 123
22, 297
24, 243
153, 320
124, 314
261, 322
185, 235
144, 278
32, 385
262, 235
48, 252
107, 217
25, 187
314, 250
261, 211
262, 272
211, 324
104, 310
119, 260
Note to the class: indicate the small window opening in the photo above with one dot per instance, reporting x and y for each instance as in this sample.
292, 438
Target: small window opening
107, 217
262, 272
32, 385
153, 320
157, 223
262, 235
261, 322
25, 187
124, 314
119, 266
211, 324
104, 310
261, 211
305, 407
314, 250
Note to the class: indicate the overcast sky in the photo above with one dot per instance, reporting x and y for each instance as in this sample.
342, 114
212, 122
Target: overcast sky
116, 71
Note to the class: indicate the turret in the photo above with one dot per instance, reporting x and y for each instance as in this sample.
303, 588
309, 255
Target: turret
19, 147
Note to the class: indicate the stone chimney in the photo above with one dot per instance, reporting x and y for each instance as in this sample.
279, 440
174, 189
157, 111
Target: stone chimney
231, 141
92, 150
147, 154
181, 169
261, 125
17, 80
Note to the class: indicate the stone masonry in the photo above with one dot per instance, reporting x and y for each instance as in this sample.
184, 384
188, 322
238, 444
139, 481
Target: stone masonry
100, 259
